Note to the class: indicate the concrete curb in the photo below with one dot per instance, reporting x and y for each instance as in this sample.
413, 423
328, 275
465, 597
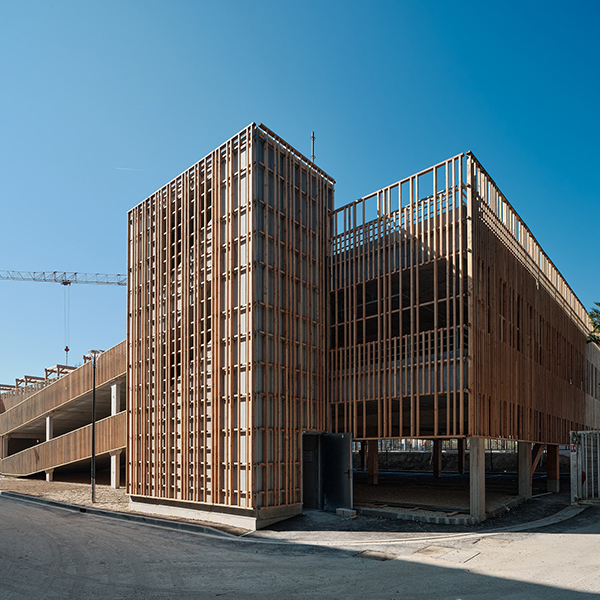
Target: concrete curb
562, 515
176, 525
406, 516
496, 512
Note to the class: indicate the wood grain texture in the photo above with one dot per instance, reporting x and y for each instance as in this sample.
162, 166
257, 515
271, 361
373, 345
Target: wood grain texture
226, 326
448, 319
536, 375
111, 364
111, 434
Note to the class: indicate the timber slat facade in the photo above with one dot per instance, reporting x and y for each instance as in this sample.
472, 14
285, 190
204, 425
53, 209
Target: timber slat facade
448, 319
226, 327
535, 375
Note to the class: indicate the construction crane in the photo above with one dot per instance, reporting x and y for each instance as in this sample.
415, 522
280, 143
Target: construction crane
65, 278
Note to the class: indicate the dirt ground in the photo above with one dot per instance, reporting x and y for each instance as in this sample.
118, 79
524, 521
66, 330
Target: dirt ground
79, 494
448, 500
68, 492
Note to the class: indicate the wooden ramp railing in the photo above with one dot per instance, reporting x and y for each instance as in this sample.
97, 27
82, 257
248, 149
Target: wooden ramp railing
111, 434
111, 364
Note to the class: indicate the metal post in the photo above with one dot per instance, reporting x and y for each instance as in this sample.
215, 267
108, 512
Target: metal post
94, 431
94, 355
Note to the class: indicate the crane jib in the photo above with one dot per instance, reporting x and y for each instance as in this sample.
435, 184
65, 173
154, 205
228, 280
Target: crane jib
64, 277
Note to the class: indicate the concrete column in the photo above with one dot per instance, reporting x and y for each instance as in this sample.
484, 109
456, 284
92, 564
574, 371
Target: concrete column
49, 427
115, 457
437, 458
462, 447
115, 398
115, 469
477, 478
50, 475
524, 462
4, 446
373, 462
552, 468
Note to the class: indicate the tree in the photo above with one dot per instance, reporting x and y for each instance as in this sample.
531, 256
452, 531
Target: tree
594, 335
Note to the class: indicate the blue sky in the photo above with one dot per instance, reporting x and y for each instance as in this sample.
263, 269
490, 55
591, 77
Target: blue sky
101, 103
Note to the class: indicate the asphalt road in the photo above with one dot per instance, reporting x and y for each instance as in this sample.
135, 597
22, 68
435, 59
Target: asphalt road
52, 553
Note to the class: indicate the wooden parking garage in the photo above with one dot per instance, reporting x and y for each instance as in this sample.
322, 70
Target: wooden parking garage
260, 317
447, 320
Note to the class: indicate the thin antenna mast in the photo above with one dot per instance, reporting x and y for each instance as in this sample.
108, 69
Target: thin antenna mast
312, 147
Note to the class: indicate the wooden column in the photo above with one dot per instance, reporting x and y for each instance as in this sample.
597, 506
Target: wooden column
363, 456
524, 451
553, 468
461, 456
437, 458
373, 462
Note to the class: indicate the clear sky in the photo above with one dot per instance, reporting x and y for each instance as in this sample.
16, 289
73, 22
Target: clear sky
101, 103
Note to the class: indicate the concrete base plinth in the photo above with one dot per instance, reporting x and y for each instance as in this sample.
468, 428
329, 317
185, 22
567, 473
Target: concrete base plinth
244, 518
553, 485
